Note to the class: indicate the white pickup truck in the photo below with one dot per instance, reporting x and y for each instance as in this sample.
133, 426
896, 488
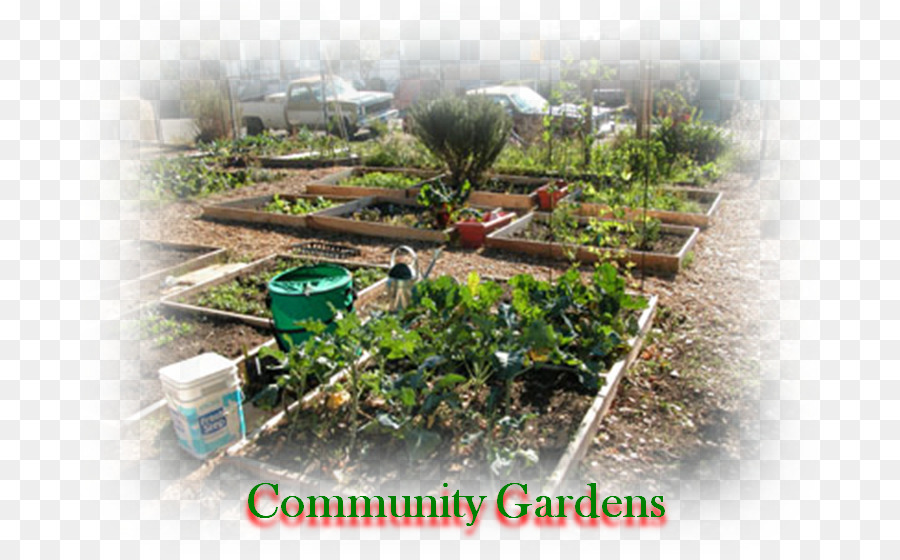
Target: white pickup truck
316, 104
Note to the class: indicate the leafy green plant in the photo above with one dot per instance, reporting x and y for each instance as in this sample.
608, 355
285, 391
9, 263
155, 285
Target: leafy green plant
299, 206
443, 201
162, 330
183, 177
442, 371
466, 133
382, 180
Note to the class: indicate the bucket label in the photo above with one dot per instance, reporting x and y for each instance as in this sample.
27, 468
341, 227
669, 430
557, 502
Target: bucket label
212, 421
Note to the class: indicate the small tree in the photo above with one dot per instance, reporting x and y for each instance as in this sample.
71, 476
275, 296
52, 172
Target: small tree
466, 133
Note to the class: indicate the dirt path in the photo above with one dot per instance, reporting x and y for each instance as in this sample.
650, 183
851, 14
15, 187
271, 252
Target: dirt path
680, 413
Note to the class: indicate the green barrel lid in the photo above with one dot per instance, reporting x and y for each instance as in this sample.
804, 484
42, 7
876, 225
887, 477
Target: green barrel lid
310, 280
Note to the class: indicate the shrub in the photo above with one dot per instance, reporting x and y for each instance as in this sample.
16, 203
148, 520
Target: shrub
466, 133
207, 103
701, 141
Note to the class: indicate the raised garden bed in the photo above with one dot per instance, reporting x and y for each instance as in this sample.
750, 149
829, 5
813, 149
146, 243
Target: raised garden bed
533, 235
550, 410
279, 209
381, 217
391, 182
704, 204
508, 191
242, 295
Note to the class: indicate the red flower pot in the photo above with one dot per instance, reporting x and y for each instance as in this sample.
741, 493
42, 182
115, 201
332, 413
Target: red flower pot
547, 198
473, 232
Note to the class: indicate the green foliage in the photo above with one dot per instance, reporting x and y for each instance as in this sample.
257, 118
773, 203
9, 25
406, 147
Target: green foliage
299, 206
384, 180
466, 133
563, 226
443, 201
397, 150
183, 177
632, 196
162, 330
451, 358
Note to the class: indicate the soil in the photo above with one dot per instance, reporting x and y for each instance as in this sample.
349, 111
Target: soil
228, 338
667, 243
557, 400
394, 214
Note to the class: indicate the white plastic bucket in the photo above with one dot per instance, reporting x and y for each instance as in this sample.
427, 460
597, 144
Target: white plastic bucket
204, 398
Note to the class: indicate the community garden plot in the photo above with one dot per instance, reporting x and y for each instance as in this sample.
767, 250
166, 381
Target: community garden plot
389, 182
594, 240
242, 295
509, 191
434, 397
286, 210
681, 206
382, 217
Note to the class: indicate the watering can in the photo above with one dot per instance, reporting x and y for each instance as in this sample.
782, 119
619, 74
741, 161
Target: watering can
402, 277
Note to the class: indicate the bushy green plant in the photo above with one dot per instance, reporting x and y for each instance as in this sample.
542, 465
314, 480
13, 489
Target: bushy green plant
466, 133
299, 206
382, 180
628, 160
183, 177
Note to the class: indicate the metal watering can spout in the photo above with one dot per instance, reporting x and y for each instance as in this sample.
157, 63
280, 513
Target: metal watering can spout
401, 279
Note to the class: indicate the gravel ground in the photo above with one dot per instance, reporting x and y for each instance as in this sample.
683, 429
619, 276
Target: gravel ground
687, 405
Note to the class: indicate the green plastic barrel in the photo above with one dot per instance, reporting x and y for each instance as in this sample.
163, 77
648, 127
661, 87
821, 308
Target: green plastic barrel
306, 293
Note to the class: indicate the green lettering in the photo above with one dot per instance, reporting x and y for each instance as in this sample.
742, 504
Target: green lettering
617, 501
657, 505
251, 500
367, 511
299, 506
523, 508
629, 507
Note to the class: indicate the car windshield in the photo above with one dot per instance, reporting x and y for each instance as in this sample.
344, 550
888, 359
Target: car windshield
528, 101
334, 87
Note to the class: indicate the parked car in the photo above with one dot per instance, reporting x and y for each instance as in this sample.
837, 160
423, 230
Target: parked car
316, 104
528, 109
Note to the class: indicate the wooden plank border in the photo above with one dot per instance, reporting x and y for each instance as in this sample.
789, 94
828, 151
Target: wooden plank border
647, 261
335, 219
246, 210
330, 184
692, 219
